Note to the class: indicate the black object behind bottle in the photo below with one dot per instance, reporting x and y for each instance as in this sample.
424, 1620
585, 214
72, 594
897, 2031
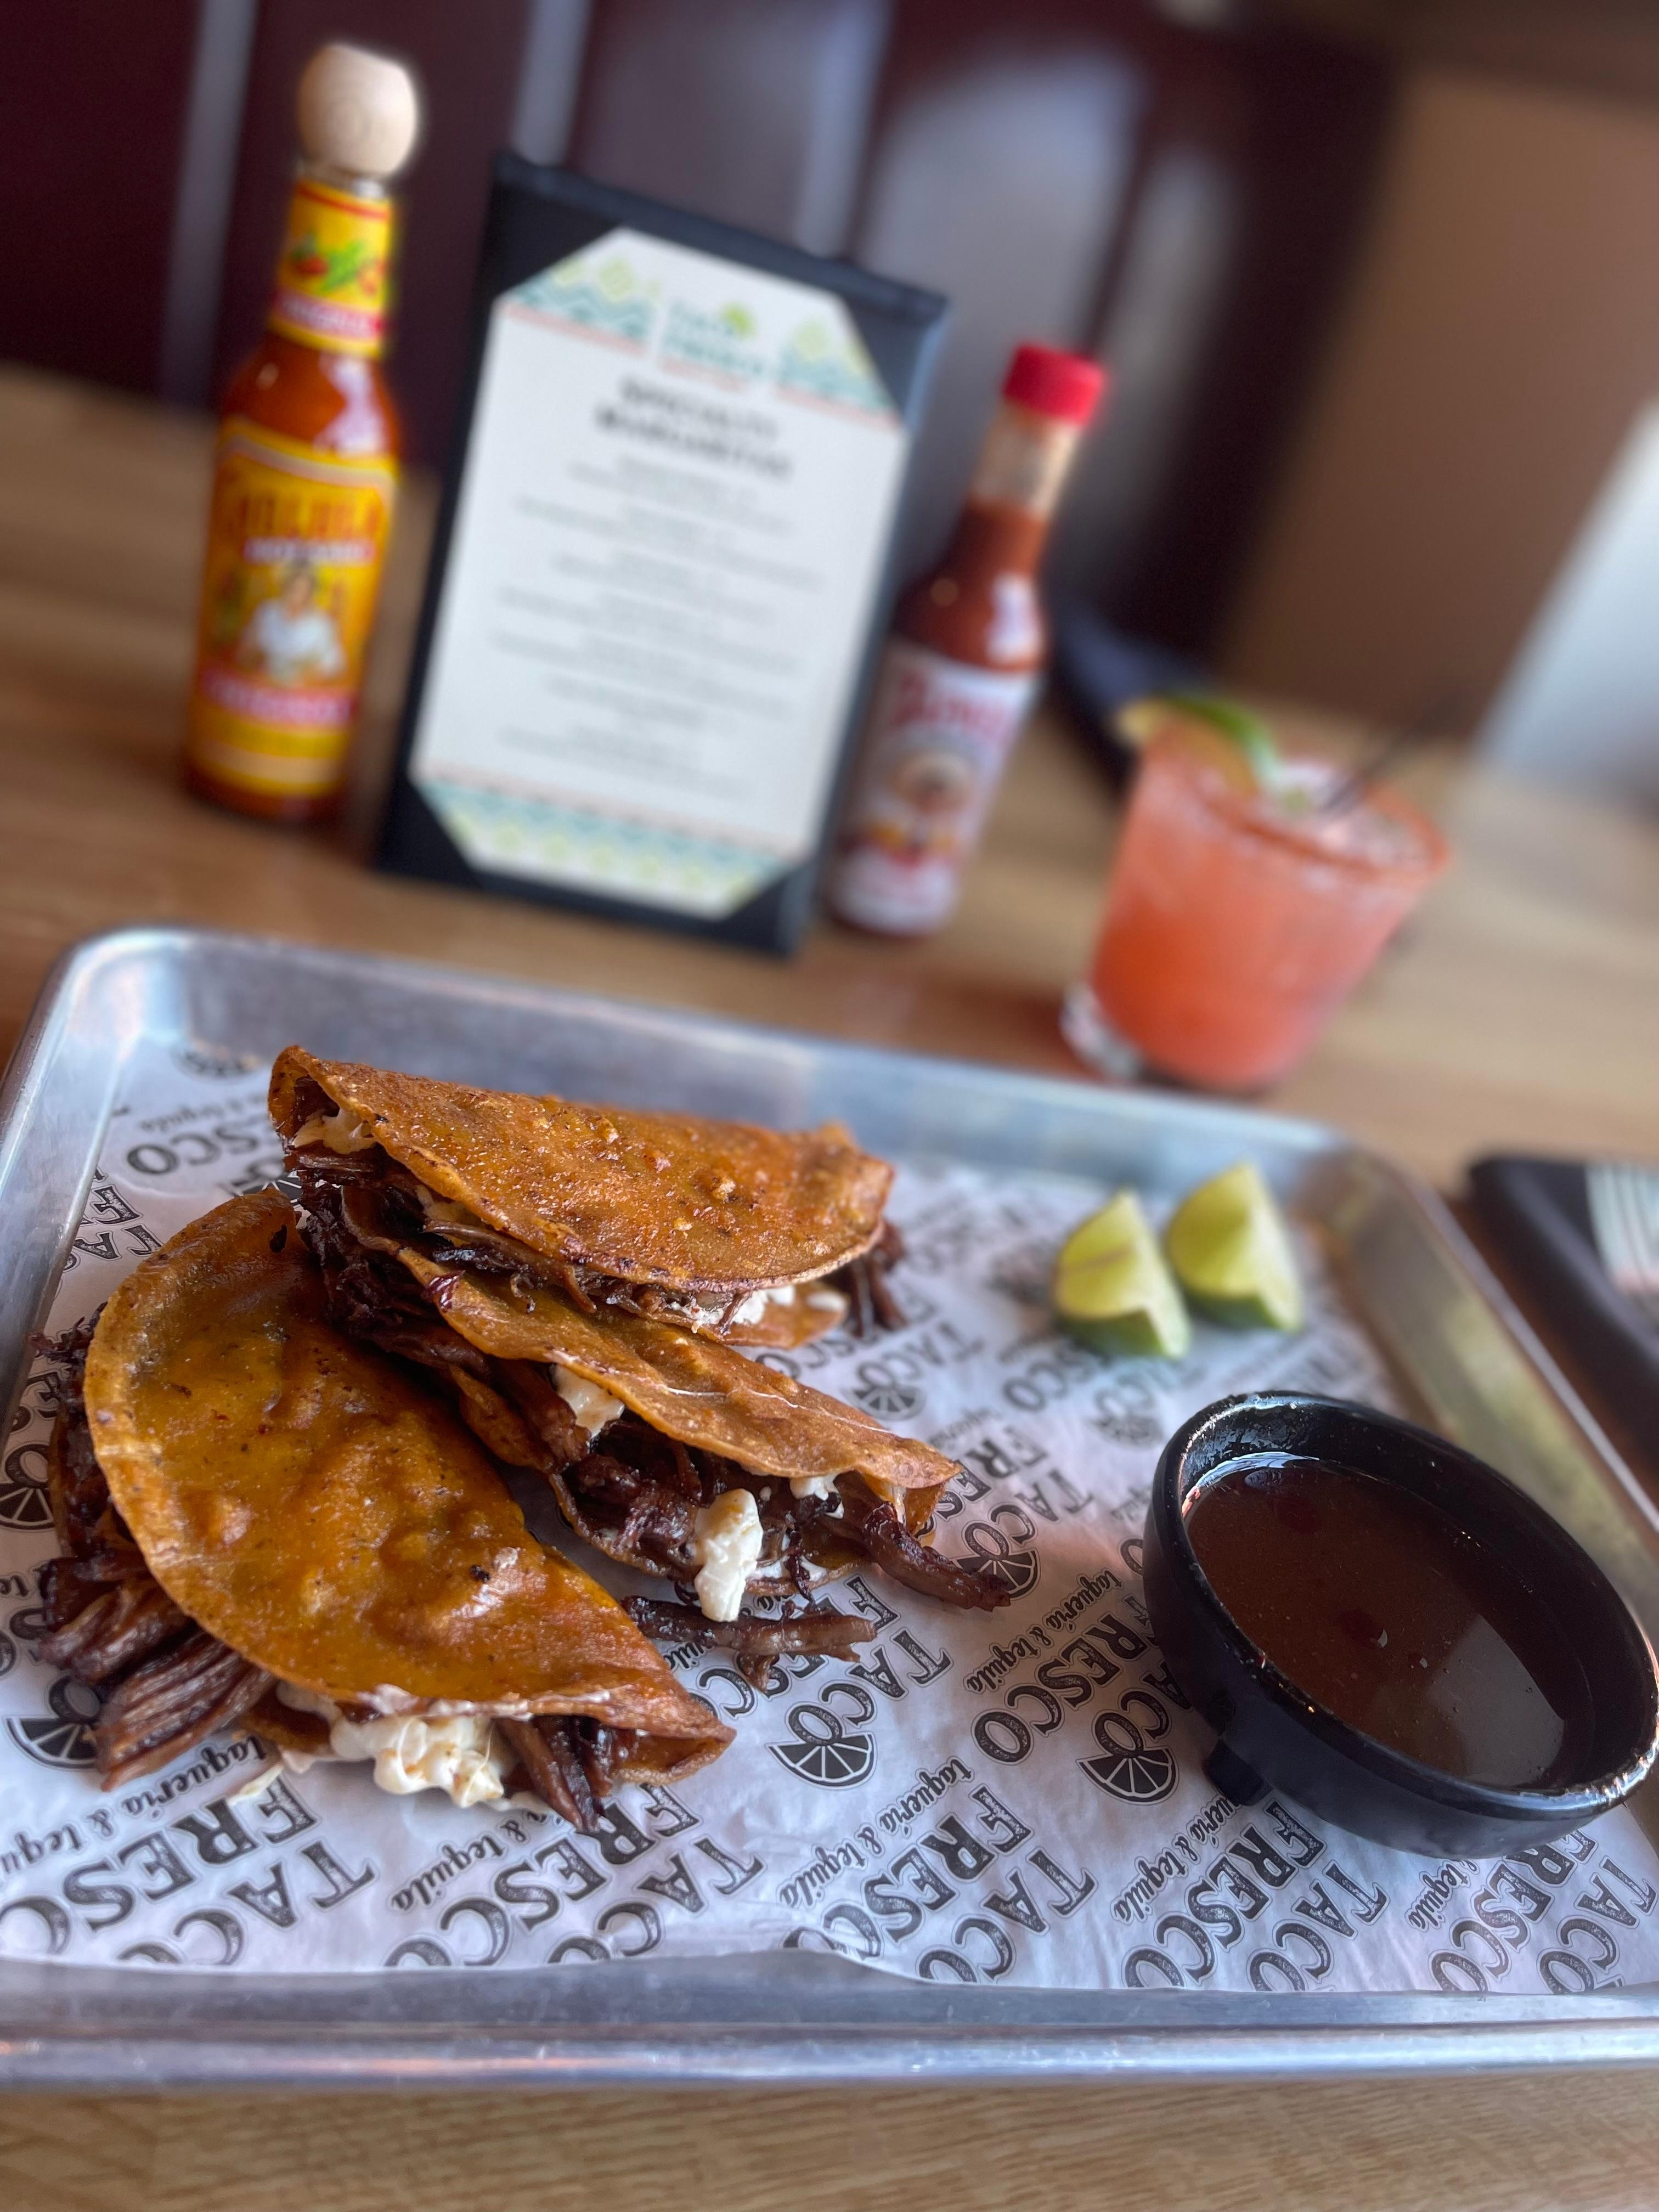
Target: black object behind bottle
1539, 1214
1097, 669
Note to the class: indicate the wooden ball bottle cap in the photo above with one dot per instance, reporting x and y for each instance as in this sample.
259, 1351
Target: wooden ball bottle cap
359, 111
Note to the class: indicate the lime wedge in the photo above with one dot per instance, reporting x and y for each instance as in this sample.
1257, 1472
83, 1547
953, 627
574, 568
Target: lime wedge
1247, 731
1231, 1253
1113, 1290
1138, 721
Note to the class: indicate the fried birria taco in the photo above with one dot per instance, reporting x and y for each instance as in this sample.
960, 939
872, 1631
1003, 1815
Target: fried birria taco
667, 1448
752, 1235
266, 1525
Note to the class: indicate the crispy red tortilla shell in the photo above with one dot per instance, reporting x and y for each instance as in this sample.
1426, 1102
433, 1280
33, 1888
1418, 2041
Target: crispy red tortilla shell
692, 1387
693, 1205
307, 1503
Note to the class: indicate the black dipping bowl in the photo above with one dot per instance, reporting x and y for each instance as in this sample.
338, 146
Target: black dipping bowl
1273, 1735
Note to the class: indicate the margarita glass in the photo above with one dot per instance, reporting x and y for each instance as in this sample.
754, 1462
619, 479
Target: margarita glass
1239, 917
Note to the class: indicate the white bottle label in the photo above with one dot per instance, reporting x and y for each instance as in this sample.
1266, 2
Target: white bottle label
938, 739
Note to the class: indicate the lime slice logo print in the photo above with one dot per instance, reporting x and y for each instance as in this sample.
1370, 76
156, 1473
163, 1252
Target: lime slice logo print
1129, 1766
63, 1736
828, 1747
722, 339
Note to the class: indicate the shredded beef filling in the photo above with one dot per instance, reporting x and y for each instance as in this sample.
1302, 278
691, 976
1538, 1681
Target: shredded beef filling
164, 1682
163, 1706
369, 1295
530, 1391
636, 1489
863, 1282
568, 1763
758, 1643
869, 1525
112, 1628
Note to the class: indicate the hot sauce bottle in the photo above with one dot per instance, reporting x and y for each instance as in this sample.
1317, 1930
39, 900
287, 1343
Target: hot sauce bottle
967, 655
306, 469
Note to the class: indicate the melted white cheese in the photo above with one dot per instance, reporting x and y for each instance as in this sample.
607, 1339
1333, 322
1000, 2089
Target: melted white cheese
341, 1132
388, 1699
726, 1542
814, 1485
255, 1785
458, 1753
463, 1755
710, 1313
595, 1409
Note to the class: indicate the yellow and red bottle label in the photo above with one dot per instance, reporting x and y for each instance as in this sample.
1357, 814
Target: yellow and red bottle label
295, 543
332, 276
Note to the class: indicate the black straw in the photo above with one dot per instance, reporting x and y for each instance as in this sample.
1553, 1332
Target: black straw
1348, 791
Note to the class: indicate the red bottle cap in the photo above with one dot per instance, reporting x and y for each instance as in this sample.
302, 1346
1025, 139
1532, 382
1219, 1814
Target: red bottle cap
1066, 386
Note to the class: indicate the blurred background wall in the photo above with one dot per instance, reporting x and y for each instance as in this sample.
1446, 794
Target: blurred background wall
1377, 277
1500, 337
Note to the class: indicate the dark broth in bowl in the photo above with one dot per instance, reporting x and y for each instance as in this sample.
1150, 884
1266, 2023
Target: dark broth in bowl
1378, 1607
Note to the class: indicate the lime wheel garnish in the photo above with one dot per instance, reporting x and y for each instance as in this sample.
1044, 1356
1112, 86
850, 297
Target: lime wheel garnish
25, 1502
60, 1741
1141, 1776
833, 1762
1015, 1571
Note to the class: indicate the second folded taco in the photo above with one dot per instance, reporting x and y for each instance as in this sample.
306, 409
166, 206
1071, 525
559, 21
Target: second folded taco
756, 1236
667, 1448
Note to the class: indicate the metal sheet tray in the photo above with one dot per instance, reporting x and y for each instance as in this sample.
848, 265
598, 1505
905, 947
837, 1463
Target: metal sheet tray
1458, 1349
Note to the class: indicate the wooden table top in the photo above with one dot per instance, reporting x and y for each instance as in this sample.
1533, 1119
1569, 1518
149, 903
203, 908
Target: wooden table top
1520, 1011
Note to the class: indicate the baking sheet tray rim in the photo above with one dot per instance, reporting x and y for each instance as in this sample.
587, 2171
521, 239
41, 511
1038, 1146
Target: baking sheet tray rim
442, 2030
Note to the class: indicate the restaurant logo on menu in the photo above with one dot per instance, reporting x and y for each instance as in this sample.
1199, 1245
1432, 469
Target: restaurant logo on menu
722, 341
604, 293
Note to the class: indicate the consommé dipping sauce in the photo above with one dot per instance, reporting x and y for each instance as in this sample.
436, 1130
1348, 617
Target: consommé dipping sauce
1379, 1607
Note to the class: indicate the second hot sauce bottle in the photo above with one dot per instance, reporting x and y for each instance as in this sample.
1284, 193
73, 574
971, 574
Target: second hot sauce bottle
966, 657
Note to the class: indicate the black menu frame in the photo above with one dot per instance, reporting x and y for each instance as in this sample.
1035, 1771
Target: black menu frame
538, 217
